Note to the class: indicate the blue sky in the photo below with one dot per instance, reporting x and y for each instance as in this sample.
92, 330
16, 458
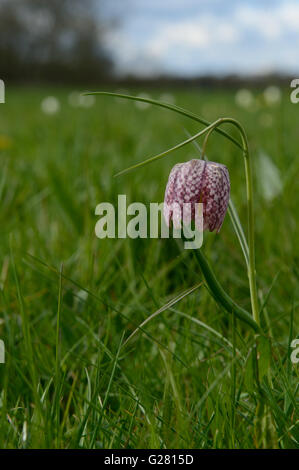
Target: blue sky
193, 37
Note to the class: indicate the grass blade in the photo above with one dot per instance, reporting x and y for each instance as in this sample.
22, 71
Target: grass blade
220, 295
238, 230
162, 309
166, 152
171, 107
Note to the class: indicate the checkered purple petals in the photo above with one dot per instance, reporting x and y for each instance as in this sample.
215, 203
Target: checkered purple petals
193, 182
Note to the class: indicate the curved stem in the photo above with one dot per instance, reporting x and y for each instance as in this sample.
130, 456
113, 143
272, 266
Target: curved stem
171, 107
250, 216
251, 267
204, 145
168, 151
220, 295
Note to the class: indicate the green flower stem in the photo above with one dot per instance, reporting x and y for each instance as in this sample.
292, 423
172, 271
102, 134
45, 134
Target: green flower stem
251, 267
220, 295
249, 192
171, 107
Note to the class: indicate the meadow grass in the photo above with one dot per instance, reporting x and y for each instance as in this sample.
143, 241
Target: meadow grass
68, 300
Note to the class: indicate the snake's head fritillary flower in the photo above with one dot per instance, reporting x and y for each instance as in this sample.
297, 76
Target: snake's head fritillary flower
197, 181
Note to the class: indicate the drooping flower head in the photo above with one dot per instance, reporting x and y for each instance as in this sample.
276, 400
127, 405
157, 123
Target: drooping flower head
194, 182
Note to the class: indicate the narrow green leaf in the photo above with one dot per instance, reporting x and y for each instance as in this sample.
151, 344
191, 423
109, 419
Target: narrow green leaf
166, 152
207, 327
169, 106
221, 297
236, 223
264, 356
249, 377
162, 309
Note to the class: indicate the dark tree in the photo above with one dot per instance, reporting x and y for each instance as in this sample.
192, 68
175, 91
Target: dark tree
53, 40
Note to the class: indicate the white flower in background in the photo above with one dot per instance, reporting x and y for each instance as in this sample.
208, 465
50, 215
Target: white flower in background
167, 98
269, 177
244, 98
140, 104
272, 95
77, 100
50, 105
87, 101
74, 98
266, 120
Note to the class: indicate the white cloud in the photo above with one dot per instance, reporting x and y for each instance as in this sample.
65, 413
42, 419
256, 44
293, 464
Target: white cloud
289, 14
245, 37
200, 33
259, 21
271, 23
197, 34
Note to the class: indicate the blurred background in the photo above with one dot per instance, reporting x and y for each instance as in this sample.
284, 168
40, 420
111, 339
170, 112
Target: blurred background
70, 41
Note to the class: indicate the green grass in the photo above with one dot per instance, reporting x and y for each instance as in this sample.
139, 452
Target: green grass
68, 300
